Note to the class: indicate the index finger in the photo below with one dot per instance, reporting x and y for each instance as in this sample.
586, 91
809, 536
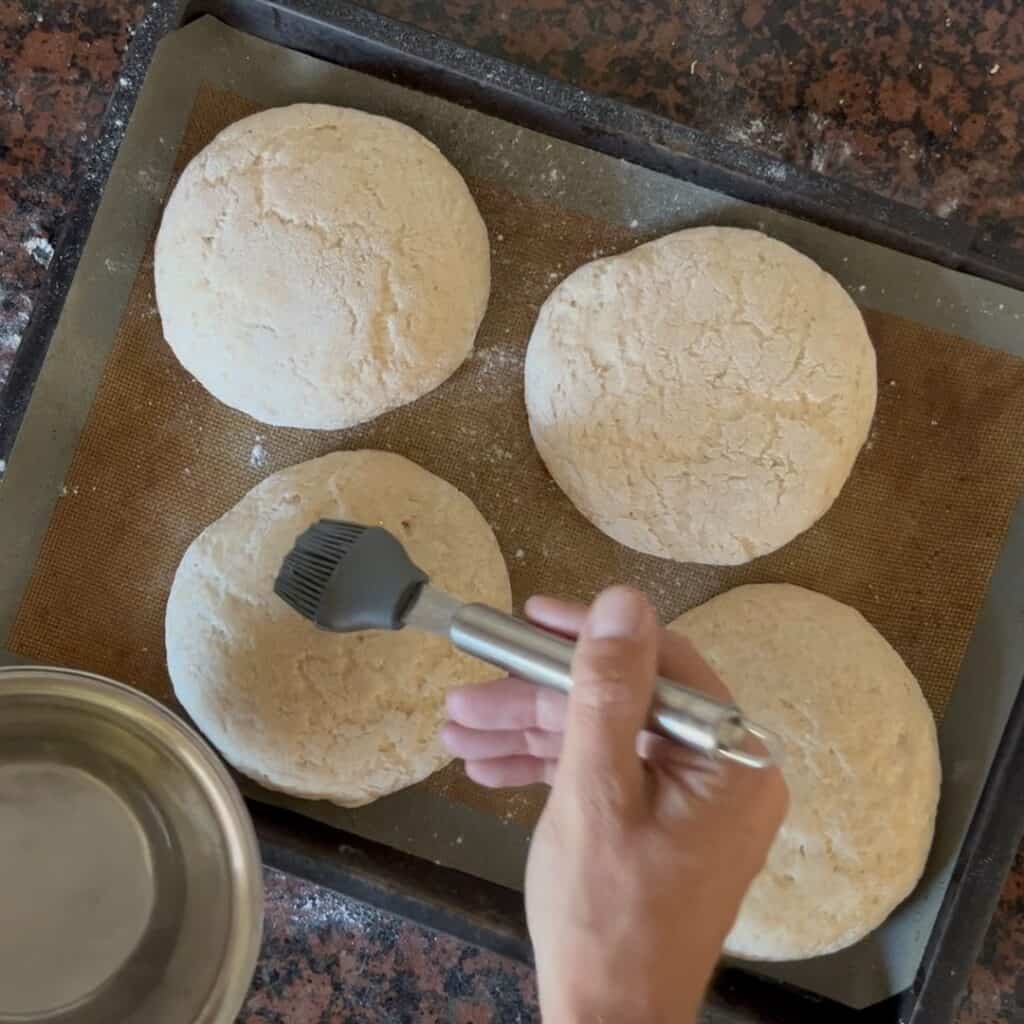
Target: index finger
555, 615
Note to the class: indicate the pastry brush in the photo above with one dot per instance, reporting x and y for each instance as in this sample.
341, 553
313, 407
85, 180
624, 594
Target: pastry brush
347, 577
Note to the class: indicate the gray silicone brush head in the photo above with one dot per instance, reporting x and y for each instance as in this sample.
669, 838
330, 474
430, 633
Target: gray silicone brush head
346, 577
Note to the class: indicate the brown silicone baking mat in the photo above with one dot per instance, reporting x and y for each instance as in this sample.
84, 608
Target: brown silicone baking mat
144, 459
910, 542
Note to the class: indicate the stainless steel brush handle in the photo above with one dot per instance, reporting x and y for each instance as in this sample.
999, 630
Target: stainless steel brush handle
381, 588
679, 713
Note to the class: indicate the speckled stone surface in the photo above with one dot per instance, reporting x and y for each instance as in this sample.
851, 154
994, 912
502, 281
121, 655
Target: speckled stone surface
919, 100
328, 959
58, 65
995, 991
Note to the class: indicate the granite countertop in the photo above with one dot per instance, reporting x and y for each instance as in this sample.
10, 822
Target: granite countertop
920, 101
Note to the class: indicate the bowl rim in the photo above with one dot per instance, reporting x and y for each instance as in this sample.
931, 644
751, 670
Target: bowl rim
163, 726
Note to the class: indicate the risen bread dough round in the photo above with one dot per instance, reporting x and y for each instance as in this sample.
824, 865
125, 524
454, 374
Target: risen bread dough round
346, 718
702, 397
317, 266
861, 763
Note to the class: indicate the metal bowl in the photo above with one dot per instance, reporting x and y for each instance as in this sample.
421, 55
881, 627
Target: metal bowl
130, 879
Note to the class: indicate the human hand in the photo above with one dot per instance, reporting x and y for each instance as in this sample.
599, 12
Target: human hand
645, 850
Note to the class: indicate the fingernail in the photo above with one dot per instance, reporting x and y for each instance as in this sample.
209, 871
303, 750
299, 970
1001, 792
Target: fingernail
618, 612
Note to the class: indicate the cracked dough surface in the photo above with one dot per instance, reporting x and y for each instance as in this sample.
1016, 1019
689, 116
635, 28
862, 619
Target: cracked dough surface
861, 763
346, 718
317, 266
702, 397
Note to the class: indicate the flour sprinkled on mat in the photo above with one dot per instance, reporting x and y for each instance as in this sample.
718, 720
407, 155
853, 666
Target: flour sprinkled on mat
258, 457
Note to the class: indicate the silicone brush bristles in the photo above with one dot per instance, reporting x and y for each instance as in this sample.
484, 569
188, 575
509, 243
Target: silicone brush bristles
309, 566
346, 577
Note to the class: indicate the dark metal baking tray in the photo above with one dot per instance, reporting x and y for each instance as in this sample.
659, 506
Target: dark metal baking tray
478, 911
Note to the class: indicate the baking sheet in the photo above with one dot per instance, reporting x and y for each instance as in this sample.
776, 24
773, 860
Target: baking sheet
549, 206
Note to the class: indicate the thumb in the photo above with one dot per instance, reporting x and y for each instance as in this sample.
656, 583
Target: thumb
613, 672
